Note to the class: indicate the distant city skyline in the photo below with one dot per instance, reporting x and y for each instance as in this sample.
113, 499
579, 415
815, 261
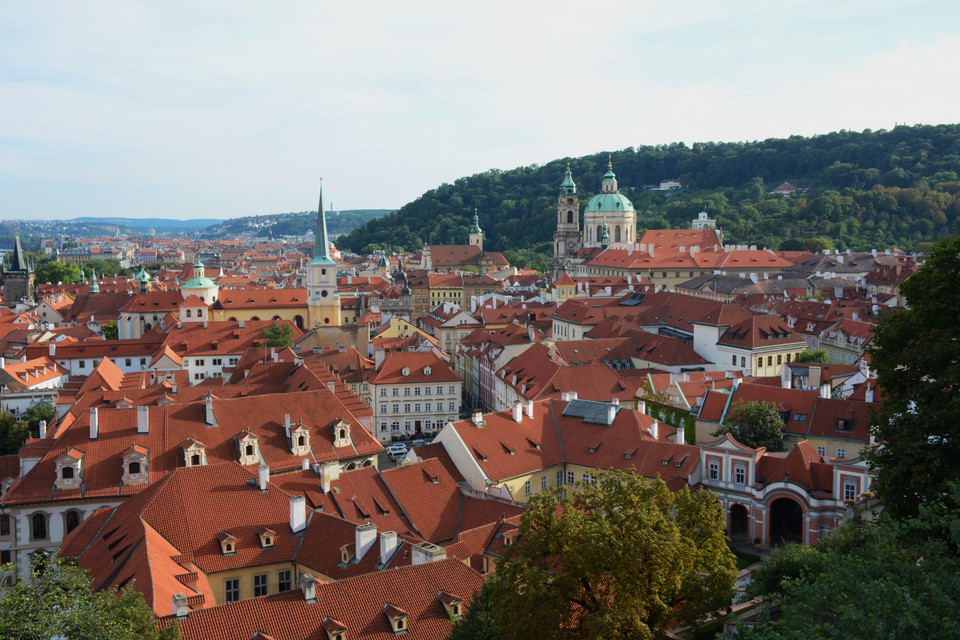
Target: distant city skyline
188, 109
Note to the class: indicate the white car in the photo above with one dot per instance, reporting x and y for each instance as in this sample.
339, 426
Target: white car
397, 450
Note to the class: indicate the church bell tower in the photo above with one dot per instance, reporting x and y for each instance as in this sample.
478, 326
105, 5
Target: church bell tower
323, 302
566, 240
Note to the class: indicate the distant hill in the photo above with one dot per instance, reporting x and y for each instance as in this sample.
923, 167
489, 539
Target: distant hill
295, 224
872, 189
148, 223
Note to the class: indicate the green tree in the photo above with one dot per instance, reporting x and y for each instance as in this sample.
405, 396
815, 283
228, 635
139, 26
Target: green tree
12, 434
754, 424
54, 272
885, 579
111, 330
58, 602
622, 557
479, 622
813, 356
916, 354
279, 334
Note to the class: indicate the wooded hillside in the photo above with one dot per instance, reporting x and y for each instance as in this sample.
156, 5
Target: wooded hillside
873, 189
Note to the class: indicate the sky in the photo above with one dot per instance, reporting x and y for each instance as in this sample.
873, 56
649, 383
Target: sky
216, 109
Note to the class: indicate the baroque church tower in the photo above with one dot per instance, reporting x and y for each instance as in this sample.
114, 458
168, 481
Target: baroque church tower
323, 303
566, 240
612, 207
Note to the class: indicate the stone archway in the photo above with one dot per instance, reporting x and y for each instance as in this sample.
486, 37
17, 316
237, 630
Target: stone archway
739, 522
786, 521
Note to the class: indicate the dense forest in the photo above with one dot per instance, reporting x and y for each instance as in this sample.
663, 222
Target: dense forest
873, 189
295, 224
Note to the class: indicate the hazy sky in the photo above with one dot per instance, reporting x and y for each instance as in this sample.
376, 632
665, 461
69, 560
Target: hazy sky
184, 109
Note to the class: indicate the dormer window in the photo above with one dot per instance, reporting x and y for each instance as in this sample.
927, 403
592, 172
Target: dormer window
248, 448
300, 440
405, 372
194, 453
452, 604
135, 462
341, 433
69, 469
397, 617
335, 629
427, 371
267, 538
228, 543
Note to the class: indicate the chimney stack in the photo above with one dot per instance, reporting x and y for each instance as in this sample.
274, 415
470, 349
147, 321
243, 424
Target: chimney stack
611, 413
305, 464
655, 429
286, 425
209, 417
517, 411
52, 349
43, 429
365, 538
298, 514
181, 608
94, 424
425, 552
478, 418
264, 477
388, 546
308, 584
641, 406
329, 472
529, 405
143, 420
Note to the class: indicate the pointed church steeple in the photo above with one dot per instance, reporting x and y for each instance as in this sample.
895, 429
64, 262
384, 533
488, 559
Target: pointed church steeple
94, 285
19, 261
568, 186
321, 245
476, 233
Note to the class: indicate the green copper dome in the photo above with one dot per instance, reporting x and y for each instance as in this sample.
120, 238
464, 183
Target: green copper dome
613, 202
142, 275
568, 186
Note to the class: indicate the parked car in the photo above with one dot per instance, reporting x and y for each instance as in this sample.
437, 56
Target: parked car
397, 450
418, 443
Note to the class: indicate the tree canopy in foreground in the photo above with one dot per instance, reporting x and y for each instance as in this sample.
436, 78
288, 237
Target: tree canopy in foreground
916, 354
621, 557
58, 602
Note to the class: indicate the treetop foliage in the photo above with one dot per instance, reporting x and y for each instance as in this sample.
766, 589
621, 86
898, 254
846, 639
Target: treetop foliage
872, 189
754, 424
621, 557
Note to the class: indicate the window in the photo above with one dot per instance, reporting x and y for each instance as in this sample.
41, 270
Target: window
439, 390
740, 474
395, 425
733, 360
841, 453
406, 407
189, 313
428, 407
743, 361
426, 391
713, 470
416, 408
527, 489
198, 376
383, 426
259, 585
845, 424
396, 408
38, 526
571, 478
406, 391
67, 473
451, 389
769, 361
396, 392
407, 426
587, 478
452, 406
199, 362
127, 362
383, 393
821, 451
133, 468
559, 479
416, 391
779, 359
4, 525
428, 425
850, 490
83, 364
217, 362
231, 591
788, 358
799, 417
383, 408
543, 482
72, 520
283, 580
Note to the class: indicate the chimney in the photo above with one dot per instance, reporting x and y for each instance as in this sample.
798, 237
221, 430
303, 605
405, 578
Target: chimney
517, 411
427, 552
529, 405
478, 418
143, 420
264, 477
308, 584
641, 406
52, 349
615, 401
753, 278
655, 429
388, 546
331, 386
241, 324
329, 472
378, 356
286, 425
210, 419
681, 435
573, 395
365, 538
305, 464
43, 429
94, 424
298, 514
611, 413
867, 395
180, 607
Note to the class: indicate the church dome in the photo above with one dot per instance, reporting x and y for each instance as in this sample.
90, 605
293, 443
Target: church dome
609, 202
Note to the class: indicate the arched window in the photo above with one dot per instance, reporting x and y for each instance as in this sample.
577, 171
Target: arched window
72, 520
569, 216
616, 234
599, 232
38, 526
189, 313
